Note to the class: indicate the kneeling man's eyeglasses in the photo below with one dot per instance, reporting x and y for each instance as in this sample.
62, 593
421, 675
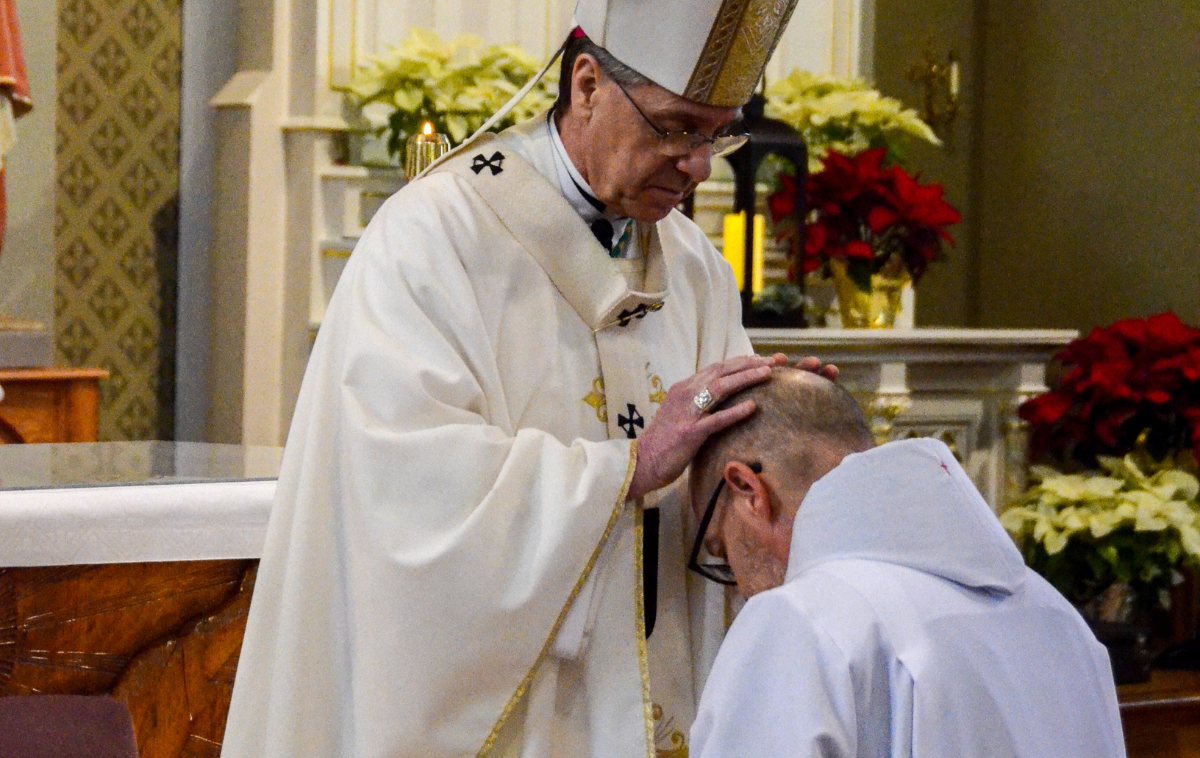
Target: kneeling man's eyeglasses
721, 573
679, 144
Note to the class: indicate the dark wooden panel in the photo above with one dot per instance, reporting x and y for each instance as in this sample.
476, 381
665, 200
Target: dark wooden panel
1162, 716
163, 637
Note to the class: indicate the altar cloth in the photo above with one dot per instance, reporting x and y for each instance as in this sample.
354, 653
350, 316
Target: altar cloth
133, 502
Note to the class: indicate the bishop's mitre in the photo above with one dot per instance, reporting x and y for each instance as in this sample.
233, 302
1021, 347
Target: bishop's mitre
709, 51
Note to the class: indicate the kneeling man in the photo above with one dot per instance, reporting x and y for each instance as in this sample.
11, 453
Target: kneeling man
888, 612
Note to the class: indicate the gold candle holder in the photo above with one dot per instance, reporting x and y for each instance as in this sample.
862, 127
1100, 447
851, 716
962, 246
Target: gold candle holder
421, 150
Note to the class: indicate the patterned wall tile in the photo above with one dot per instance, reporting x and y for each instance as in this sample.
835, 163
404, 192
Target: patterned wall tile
116, 205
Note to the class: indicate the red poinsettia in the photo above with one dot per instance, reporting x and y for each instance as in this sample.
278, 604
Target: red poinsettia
866, 212
1136, 379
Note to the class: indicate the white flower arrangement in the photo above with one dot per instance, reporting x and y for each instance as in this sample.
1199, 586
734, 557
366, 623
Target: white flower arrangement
1086, 531
455, 84
844, 115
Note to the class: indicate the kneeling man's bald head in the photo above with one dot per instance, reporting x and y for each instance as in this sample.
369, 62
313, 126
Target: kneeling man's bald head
803, 426
802, 419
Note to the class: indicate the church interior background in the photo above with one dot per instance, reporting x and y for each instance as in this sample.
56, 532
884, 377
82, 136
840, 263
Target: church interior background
1067, 160
180, 203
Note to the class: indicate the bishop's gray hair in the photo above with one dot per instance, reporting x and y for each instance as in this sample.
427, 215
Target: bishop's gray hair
614, 69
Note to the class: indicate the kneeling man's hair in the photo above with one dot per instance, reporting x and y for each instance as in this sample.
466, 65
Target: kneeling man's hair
798, 414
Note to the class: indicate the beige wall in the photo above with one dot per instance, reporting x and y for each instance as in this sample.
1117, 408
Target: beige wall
27, 259
905, 29
1090, 162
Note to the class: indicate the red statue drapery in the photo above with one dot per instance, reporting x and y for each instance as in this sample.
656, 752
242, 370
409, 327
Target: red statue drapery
14, 83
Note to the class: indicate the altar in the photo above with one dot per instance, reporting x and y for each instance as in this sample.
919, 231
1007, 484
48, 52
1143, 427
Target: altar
128, 571
961, 386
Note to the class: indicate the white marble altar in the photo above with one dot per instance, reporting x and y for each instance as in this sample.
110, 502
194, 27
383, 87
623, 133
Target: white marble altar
961, 386
132, 502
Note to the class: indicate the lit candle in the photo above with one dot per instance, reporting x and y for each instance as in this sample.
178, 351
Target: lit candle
735, 249
423, 149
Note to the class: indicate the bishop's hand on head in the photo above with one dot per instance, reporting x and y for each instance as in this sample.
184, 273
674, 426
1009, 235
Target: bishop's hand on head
684, 422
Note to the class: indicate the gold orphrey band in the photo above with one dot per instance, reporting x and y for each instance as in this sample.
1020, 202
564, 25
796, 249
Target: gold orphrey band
739, 45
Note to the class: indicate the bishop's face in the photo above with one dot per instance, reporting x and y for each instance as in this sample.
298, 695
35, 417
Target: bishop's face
620, 151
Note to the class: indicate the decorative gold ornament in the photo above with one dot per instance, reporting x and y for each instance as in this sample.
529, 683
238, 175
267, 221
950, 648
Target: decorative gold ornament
669, 739
883, 411
940, 85
657, 395
596, 399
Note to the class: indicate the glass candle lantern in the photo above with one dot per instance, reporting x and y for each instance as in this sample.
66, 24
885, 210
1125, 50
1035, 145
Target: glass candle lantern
421, 150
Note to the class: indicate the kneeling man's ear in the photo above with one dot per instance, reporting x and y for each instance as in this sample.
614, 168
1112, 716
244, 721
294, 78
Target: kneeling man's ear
748, 490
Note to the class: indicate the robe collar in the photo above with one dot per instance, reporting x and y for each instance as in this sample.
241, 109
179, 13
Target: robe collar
911, 504
537, 214
579, 193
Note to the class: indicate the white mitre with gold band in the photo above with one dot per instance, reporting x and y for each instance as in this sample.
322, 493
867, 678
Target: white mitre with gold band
709, 51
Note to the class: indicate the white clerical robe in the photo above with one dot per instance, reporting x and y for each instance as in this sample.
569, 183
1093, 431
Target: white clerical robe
908, 625
453, 493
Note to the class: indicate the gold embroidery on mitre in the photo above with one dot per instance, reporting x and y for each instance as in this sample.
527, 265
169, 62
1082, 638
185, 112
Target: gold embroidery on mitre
596, 399
669, 740
737, 50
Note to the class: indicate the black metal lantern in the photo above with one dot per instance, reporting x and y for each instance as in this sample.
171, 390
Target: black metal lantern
767, 136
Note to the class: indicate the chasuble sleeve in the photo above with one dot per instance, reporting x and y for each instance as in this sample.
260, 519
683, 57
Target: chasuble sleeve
780, 687
450, 537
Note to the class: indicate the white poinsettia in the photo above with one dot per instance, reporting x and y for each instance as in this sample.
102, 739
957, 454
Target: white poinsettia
843, 115
1138, 526
455, 84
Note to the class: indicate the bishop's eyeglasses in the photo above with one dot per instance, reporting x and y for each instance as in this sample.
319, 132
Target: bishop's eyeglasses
679, 144
721, 573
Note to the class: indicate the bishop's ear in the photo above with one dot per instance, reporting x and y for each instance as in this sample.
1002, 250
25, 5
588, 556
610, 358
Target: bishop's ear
749, 492
585, 79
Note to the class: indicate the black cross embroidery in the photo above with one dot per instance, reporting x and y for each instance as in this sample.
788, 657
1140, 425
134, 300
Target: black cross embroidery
632, 422
495, 163
625, 317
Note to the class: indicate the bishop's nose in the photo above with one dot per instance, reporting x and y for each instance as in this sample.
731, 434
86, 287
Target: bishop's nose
697, 164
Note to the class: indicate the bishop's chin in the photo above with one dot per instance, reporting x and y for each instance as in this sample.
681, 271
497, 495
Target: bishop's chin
655, 205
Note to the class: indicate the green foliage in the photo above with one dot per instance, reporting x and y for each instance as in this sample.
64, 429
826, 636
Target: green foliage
780, 299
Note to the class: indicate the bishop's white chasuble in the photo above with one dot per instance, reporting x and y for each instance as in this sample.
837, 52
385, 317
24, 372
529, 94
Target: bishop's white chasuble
451, 567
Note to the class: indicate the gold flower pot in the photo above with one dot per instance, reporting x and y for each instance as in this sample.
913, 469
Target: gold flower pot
876, 309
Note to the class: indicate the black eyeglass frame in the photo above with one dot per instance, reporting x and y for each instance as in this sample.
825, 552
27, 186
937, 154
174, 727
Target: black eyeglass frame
689, 140
721, 573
